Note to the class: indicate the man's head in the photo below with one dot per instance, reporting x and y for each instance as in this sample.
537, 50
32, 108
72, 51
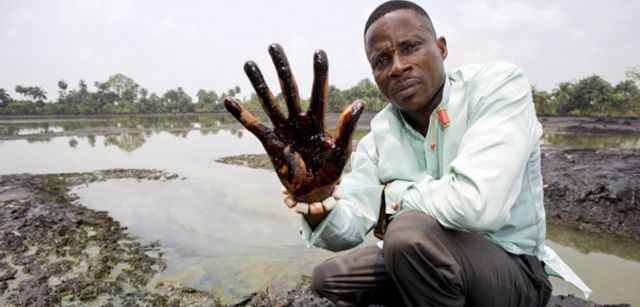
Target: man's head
394, 5
405, 55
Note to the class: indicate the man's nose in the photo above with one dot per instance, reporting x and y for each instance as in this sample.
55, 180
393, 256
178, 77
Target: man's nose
400, 65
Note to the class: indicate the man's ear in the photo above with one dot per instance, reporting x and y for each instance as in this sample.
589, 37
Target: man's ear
442, 45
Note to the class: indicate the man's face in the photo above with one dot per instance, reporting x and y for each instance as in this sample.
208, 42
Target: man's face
406, 59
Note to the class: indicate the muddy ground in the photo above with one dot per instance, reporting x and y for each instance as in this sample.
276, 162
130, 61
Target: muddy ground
54, 251
595, 126
594, 190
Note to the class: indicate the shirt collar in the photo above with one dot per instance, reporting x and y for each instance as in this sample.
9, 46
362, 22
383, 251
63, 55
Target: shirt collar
446, 92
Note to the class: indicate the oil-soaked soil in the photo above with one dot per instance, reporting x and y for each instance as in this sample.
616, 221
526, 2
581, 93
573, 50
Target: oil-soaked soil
54, 251
594, 190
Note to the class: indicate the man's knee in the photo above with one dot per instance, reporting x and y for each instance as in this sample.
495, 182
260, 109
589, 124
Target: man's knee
406, 230
319, 278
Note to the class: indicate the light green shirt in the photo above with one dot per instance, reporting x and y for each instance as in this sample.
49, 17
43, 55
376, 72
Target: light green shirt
480, 174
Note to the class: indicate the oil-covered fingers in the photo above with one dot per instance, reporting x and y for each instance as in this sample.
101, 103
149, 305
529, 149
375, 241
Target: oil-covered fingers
347, 124
264, 93
293, 170
320, 90
287, 81
247, 119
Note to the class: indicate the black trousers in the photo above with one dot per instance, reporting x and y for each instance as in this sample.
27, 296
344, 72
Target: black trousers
423, 264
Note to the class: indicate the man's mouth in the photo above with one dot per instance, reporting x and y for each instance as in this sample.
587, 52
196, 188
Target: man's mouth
406, 87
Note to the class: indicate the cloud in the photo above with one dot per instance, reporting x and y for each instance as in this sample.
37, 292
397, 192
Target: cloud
510, 17
552, 41
203, 44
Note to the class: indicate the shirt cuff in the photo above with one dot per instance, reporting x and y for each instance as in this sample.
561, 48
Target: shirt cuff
394, 193
311, 236
339, 230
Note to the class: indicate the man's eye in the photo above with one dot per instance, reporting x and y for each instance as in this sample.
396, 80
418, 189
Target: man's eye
411, 46
381, 61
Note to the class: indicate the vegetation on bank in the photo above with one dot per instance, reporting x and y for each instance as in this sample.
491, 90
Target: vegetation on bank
119, 94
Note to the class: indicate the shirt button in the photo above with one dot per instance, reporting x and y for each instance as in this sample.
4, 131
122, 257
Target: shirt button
395, 206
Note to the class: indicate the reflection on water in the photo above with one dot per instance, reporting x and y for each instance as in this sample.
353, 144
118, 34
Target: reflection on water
156, 123
594, 243
610, 266
127, 133
605, 141
125, 141
224, 228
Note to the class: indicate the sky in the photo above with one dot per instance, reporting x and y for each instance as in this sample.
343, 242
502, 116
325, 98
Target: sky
197, 44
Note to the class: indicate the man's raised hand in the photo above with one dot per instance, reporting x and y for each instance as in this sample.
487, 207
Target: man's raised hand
306, 157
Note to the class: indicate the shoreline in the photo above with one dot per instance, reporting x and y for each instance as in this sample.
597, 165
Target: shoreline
620, 126
55, 251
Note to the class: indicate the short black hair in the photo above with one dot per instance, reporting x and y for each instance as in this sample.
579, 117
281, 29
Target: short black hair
394, 5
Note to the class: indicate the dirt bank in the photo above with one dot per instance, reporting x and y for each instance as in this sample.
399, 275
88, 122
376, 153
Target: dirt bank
626, 126
54, 251
593, 190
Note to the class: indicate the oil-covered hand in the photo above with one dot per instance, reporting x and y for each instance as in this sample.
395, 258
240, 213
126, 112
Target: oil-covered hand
306, 157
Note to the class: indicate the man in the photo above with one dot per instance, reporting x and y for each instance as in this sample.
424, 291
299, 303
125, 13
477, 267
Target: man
452, 165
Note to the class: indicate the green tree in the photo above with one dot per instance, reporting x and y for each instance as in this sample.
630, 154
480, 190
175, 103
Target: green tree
119, 93
562, 98
178, 101
626, 97
144, 103
4, 98
633, 73
593, 94
208, 101
336, 99
34, 92
62, 89
542, 101
76, 101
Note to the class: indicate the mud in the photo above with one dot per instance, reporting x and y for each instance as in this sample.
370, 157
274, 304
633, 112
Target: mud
626, 126
54, 251
594, 190
302, 295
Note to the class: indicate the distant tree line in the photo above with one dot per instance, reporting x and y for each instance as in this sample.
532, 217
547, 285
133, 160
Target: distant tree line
119, 94
591, 96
